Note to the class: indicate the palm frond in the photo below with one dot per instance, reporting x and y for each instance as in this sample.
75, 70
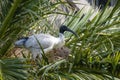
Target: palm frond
96, 54
13, 69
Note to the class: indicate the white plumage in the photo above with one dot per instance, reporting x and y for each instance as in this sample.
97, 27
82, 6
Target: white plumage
46, 41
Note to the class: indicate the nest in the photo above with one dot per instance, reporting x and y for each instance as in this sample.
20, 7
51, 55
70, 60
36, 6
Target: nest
53, 55
57, 54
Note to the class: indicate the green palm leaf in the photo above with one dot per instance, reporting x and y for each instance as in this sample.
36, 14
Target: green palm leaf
13, 69
96, 54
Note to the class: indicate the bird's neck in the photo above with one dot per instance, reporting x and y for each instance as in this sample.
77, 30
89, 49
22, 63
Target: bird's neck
60, 41
61, 37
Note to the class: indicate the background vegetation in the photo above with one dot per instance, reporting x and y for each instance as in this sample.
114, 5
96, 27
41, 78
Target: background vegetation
95, 55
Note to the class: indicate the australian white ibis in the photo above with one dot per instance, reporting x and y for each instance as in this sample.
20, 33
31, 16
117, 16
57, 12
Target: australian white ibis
46, 41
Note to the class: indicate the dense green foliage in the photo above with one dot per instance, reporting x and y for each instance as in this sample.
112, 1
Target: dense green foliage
94, 55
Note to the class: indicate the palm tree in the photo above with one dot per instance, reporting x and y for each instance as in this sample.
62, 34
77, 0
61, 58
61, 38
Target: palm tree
96, 55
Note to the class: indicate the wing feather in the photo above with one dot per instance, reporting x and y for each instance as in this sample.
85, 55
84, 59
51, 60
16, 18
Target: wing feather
44, 39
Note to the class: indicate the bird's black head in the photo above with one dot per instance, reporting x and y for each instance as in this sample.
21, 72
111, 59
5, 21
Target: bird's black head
64, 28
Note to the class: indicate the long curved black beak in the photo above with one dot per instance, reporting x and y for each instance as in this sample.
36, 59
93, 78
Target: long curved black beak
64, 28
72, 32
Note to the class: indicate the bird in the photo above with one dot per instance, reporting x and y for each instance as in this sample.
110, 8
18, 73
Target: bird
46, 42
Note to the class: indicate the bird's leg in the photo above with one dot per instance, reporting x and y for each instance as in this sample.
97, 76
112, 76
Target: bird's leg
34, 55
34, 52
40, 55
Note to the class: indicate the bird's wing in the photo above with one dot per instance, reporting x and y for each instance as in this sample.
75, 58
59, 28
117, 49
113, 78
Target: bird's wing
44, 40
